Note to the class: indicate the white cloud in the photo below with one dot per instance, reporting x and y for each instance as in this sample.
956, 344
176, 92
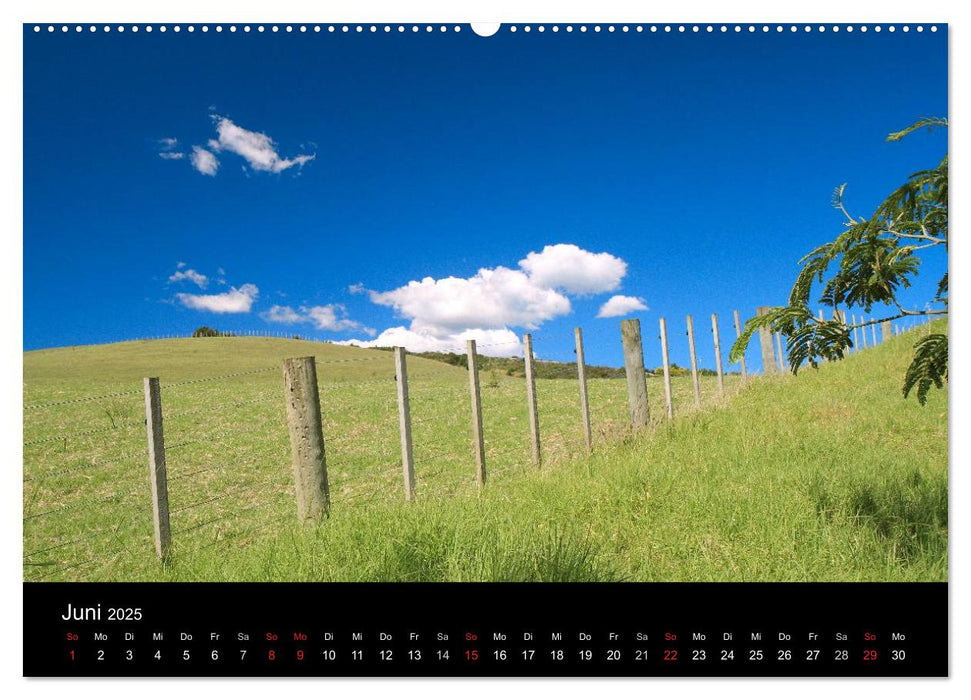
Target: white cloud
282, 314
620, 305
189, 274
332, 317
235, 301
168, 149
329, 317
574, 270
256, 148
204, 161
493, 298
444, 312
358, 288
493, 342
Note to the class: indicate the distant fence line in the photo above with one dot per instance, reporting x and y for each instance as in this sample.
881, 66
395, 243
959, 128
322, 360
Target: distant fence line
307, 440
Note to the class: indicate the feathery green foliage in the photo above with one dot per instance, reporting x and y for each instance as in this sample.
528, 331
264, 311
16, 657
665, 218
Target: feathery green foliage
929, 366
868, 265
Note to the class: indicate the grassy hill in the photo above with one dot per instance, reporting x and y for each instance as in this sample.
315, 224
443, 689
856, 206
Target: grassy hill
830, 475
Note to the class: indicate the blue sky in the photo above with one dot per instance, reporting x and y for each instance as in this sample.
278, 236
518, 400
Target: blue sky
308, 183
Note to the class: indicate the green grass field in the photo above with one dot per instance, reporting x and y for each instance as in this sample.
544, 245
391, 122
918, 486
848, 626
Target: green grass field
828, 476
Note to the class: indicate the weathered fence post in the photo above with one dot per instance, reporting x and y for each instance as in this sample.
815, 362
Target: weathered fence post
885, 331
156, 466
718, 353
584, 399
738, 334
778, 347
873, 332
666, 367
531, 405
694, 361
630, 332
765, 340
306, 437
856, 337
478, 439
404, 423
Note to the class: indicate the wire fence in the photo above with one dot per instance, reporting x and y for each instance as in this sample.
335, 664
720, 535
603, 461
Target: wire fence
87, 503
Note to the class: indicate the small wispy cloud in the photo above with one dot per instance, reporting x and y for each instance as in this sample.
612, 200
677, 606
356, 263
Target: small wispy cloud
182, 273
620, 305
168, 149
329, 317
282, 314
235, 301
204, 161
257, 149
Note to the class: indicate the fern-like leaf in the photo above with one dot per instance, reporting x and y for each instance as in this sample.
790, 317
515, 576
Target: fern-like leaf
929, 366
928, 123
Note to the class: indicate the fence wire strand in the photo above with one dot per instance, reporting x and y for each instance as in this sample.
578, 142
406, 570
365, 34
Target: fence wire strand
81, 399
100, 558
263, 398
83, 433
47, 476
218, 377
111, 530
81, 504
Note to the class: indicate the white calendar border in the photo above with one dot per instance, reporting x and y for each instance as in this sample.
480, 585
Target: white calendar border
417, 11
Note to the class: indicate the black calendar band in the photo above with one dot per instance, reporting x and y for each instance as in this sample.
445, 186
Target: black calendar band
488, 629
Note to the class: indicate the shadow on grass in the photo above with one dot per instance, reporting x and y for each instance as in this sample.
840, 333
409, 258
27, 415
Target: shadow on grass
909, 514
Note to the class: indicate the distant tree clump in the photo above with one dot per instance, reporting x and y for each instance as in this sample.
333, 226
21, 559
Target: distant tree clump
874, 259
207, 332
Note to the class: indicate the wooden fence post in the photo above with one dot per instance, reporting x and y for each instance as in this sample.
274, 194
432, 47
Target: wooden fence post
778, 347
630, 332
478, 439
873, 332
885, 331
856, 337
765, 340
306, 438
156, 466
718, 353
694, 361
531, 404
584, 399
738, 334
404, 423
666, 367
